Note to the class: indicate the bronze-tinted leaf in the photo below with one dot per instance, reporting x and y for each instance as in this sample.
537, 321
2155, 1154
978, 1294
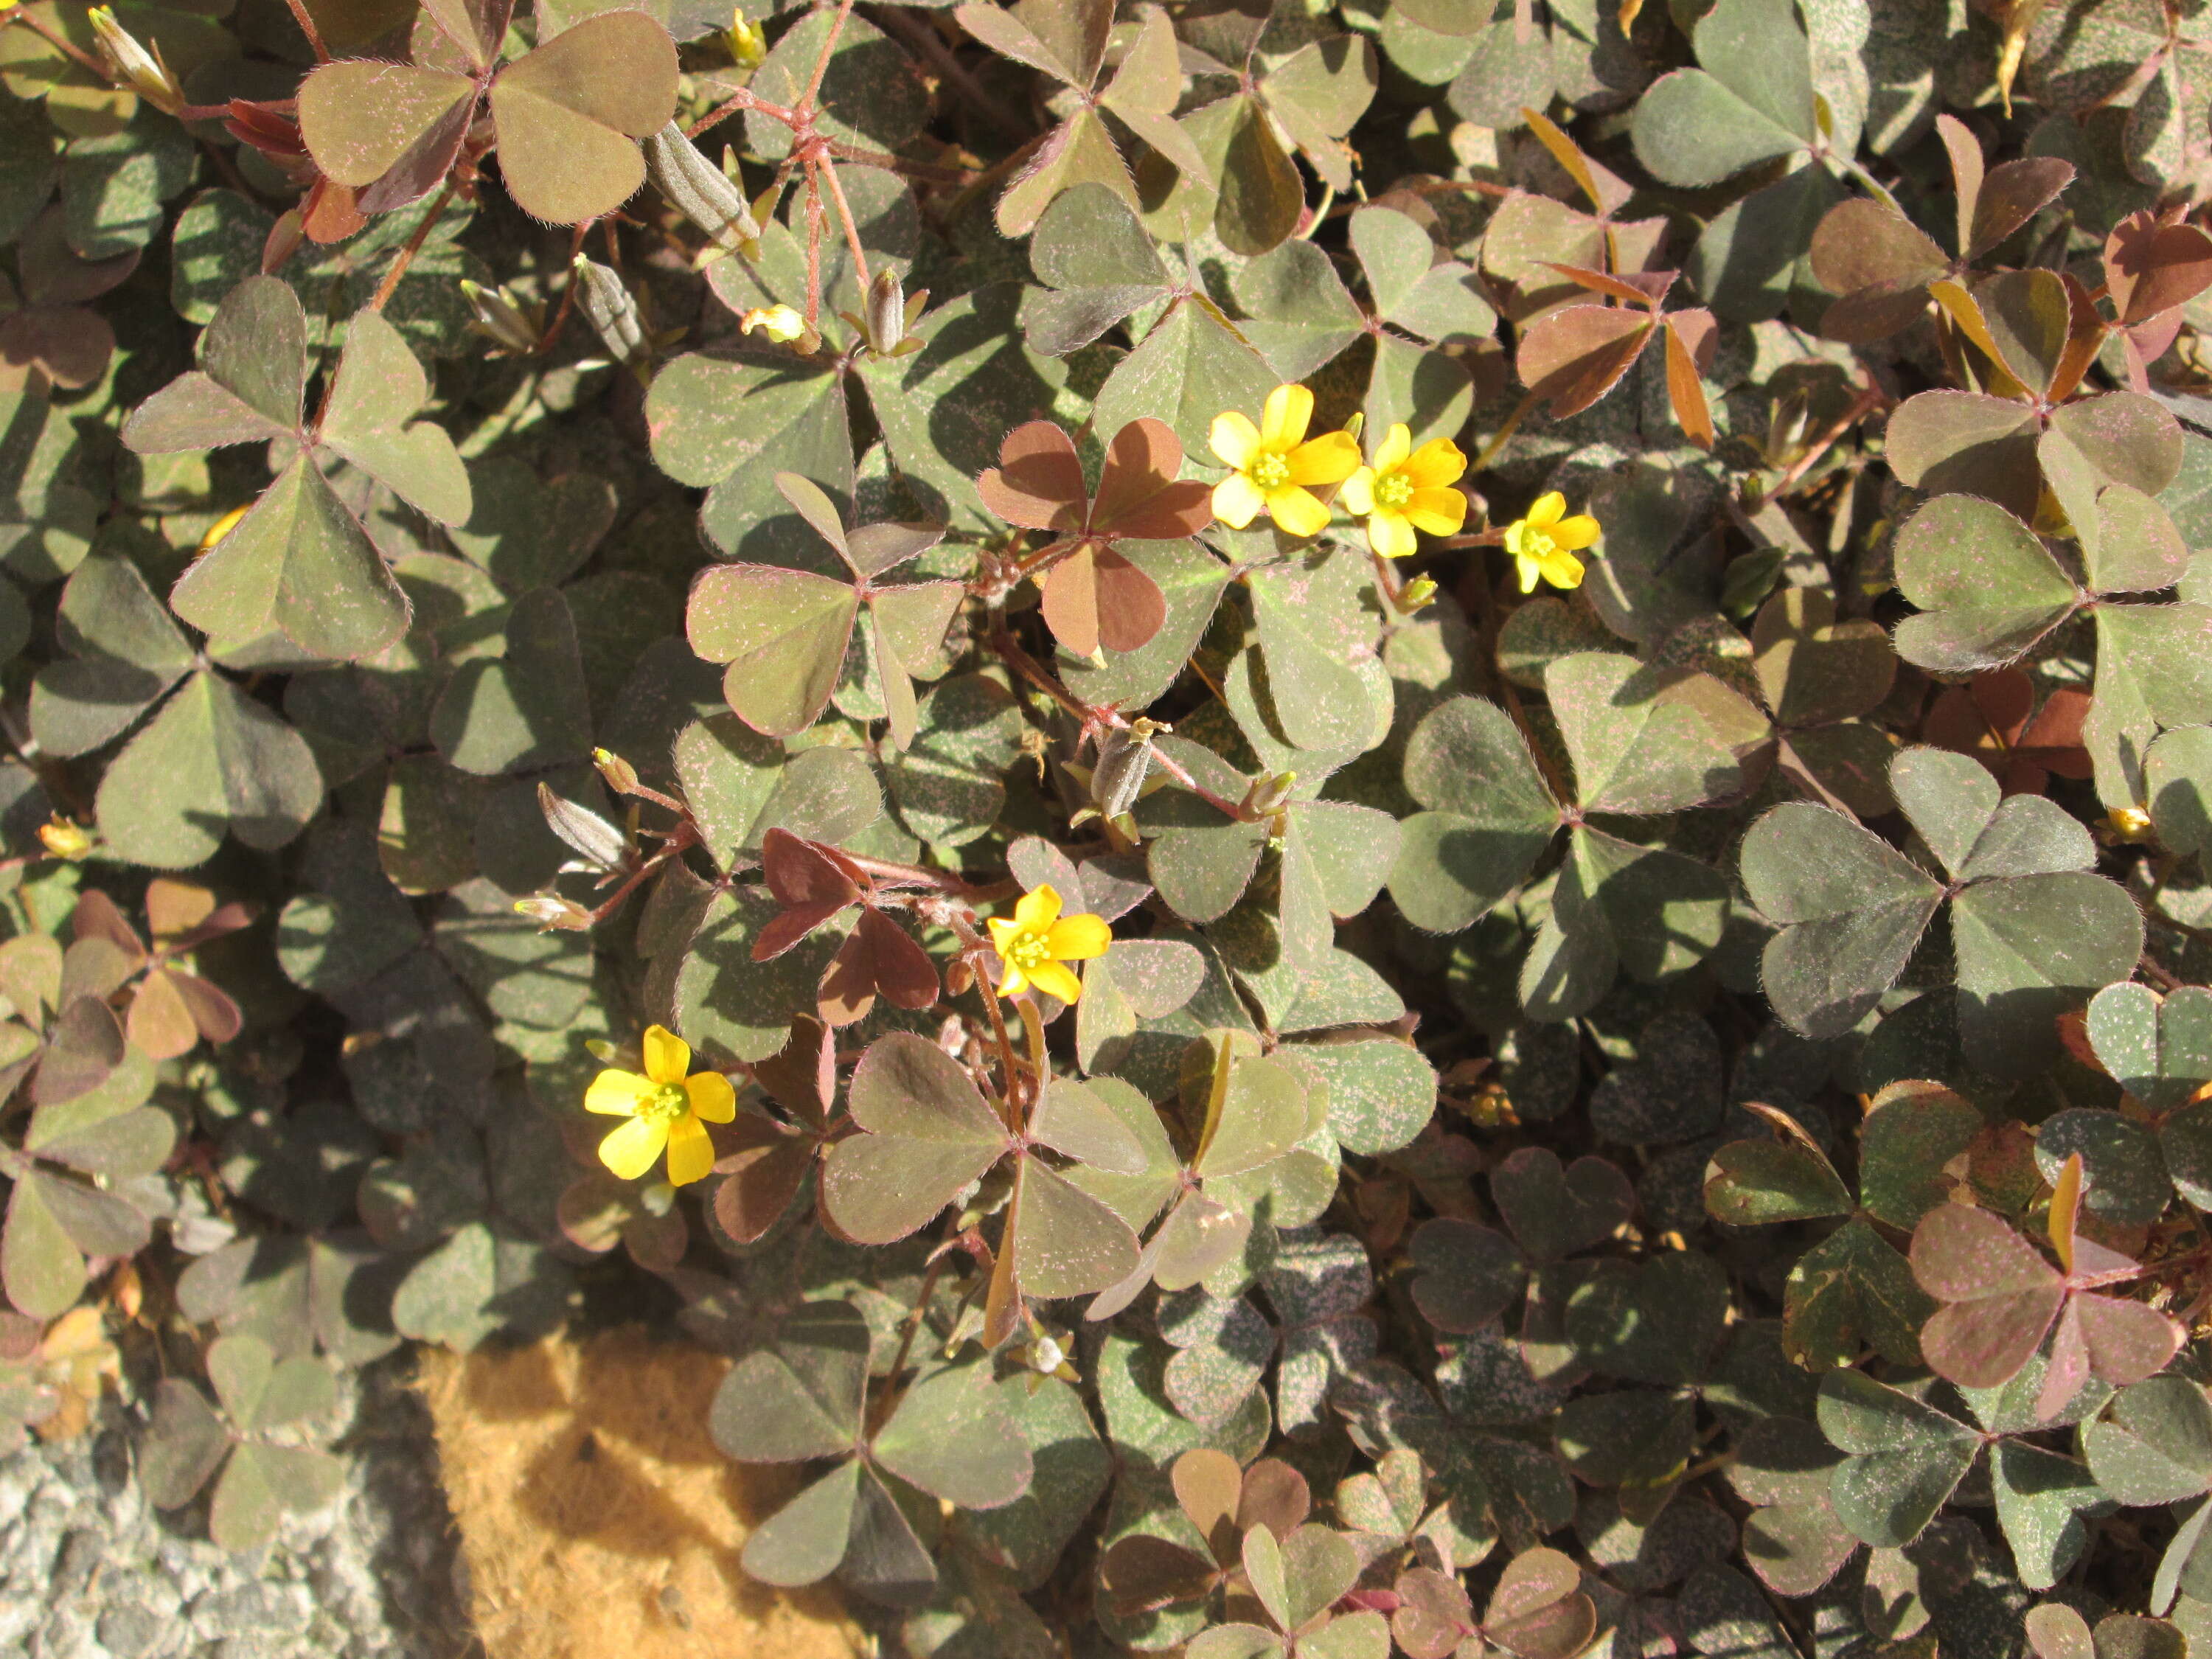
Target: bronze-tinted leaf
1573, 357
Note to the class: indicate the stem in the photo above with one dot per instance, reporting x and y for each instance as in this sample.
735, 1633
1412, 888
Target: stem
806, 105
827, 172
1865, 404
545, 340
82, 57
814, 218
307, 22
414, 245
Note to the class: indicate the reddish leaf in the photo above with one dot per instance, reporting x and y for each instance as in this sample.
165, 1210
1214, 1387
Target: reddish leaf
2151, 268
763, 1175
1038, 482
1095, 597
1684, 389
1574, 356
96, 917
878, 958
801, 1076
809, 886
1139, 495
2000, 1295
1143, 1573
2014, 193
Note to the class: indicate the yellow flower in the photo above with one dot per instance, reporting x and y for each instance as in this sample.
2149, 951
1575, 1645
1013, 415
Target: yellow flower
748, 44
1544, 545
1275, 464
664, 1108
1407, 489
1036, 946
779, 323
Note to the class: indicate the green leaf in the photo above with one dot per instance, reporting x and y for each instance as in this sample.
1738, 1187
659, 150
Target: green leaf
2030, 949
1638, 742
2153, 1444
1903, 1459
1850, 910
524, 709
1986, 587
1191, 367
1490, 816
211, 761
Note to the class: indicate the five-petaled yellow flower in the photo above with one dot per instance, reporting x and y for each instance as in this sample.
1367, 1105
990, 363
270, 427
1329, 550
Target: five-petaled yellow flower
1038, 943
664, 1108
1407, 489
1544, 545
1275, 465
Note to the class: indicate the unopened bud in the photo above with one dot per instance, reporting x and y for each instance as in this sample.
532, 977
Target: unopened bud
224, 526
612, 310
699, 190
747, 41
1268, 795
500, 317
554, 914
142, 70
1415, 594
621, 776
886, 312
65, 838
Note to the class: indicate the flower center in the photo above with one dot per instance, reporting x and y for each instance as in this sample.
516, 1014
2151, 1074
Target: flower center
1535, 545
664, 1104
1393, 490
1029, 952
1268, 470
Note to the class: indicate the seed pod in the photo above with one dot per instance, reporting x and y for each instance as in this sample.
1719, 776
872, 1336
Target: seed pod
1125, 756
612, 309
699, 190
599, 843
501, 319
886, 312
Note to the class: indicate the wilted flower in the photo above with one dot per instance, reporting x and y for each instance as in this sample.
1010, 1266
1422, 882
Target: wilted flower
1035, 946
2127, 823
1276, 465
1544, 545
1407, 489
65, 838
779, 323
665, 1108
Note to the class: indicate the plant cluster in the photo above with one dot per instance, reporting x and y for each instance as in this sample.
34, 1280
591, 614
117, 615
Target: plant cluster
1362, 825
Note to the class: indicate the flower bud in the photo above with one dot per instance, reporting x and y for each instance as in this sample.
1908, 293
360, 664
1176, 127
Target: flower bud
2128, 823
612, 310
1415, 594
501, 319
143, 71
621, 776
1268, 795
65, 838
554, 914
747, 41
699, 190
